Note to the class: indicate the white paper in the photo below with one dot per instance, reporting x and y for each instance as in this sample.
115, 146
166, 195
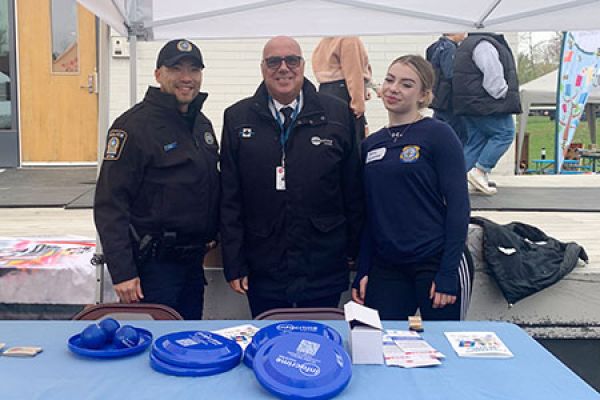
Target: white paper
394, 356
242, 334
478, 344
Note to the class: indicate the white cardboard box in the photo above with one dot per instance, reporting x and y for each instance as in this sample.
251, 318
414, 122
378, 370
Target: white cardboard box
365, 334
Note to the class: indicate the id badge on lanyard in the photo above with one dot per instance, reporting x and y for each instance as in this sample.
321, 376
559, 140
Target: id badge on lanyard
280, 177
280, 169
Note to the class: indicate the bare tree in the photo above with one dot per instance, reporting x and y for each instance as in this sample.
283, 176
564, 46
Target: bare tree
537, 58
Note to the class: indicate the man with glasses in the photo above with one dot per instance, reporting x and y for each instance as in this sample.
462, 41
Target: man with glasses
291, 207
157, 196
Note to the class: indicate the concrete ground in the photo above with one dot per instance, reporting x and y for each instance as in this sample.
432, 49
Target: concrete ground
580, 227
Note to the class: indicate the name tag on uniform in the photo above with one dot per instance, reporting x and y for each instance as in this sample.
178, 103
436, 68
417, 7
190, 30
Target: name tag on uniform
279, 178
375, 155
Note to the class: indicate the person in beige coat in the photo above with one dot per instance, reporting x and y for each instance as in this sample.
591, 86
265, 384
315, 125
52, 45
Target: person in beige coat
341, 66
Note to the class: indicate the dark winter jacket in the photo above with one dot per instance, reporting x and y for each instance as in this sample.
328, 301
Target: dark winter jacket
159, 175
292, 244
441, 56
523, 259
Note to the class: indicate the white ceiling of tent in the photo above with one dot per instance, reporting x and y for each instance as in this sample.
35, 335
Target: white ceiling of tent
167, 19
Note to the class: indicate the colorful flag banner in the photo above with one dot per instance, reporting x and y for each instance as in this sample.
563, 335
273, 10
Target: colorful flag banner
577, 73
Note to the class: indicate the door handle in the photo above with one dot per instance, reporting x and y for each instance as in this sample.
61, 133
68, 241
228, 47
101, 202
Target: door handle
91, 83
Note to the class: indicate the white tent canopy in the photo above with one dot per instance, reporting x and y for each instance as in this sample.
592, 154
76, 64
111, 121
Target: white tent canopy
168, 19
542, 91
204, 19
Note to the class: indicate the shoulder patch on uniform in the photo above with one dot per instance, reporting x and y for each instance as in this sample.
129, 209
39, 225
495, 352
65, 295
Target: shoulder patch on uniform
115, 142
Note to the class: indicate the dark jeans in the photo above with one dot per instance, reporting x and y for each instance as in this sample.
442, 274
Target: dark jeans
398, 291
260, 304
338, 89
455, 121
177, 285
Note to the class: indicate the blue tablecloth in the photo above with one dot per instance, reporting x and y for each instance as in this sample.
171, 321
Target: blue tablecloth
57, 373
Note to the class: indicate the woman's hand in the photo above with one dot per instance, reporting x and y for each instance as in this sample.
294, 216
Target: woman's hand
358, 295
239, 285
440, 300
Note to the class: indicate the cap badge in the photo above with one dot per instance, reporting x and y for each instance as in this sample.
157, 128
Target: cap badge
184, 45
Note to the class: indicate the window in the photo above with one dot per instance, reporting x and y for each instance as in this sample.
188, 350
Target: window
5, 70
65, 56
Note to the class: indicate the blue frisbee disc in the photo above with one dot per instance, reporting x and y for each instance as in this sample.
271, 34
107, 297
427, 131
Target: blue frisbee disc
158, 365
197, 350
283, 328
303, 366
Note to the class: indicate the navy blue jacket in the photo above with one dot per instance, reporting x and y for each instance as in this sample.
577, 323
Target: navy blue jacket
441, 56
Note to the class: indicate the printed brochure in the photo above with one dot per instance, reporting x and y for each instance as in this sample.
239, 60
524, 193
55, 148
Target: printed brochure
478, 344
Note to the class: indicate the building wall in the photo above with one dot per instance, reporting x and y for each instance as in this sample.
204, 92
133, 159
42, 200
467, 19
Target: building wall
232, 72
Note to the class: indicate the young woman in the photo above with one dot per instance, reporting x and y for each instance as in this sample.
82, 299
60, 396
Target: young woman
413, 248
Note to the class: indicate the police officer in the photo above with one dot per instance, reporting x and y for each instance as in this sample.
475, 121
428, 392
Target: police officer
291, 195
157, 195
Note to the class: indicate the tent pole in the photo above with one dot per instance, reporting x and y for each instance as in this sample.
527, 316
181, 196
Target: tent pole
103, 46
521, 137
132, 68
590, 111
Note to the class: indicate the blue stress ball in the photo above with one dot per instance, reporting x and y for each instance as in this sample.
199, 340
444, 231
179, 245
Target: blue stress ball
110, 326
93, 337
126, 336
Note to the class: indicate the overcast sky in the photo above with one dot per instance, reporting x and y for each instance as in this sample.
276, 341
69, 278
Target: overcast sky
536, 37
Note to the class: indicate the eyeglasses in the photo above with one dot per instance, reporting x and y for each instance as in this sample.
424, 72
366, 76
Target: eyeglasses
275, 61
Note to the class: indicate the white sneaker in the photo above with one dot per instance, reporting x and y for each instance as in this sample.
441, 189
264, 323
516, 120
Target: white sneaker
479, 180
472, 189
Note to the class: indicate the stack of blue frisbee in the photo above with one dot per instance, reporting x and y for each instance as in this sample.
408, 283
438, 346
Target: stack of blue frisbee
194, 353
302, 366
283, 328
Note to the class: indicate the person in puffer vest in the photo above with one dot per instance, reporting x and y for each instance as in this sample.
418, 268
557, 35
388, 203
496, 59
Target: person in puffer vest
486, 93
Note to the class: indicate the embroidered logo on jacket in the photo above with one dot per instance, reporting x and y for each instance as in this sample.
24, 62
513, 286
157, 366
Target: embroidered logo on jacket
410, 154
317, 141
246, 133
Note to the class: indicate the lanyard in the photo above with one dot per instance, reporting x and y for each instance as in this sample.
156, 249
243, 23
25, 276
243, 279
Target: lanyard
285, 134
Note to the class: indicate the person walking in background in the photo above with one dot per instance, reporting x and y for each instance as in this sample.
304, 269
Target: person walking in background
292, 204
486, 92
413, 254
157, 196
441, 56
341, 66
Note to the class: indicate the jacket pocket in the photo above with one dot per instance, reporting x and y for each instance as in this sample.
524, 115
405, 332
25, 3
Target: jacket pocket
327, 253
264, 249
260, 230
172, 159
327, 224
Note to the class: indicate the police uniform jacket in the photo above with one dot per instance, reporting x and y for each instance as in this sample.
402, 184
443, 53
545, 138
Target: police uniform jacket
157, 176
292, 244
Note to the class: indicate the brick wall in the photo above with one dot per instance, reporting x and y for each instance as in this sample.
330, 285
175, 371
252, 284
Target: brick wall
233, 72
